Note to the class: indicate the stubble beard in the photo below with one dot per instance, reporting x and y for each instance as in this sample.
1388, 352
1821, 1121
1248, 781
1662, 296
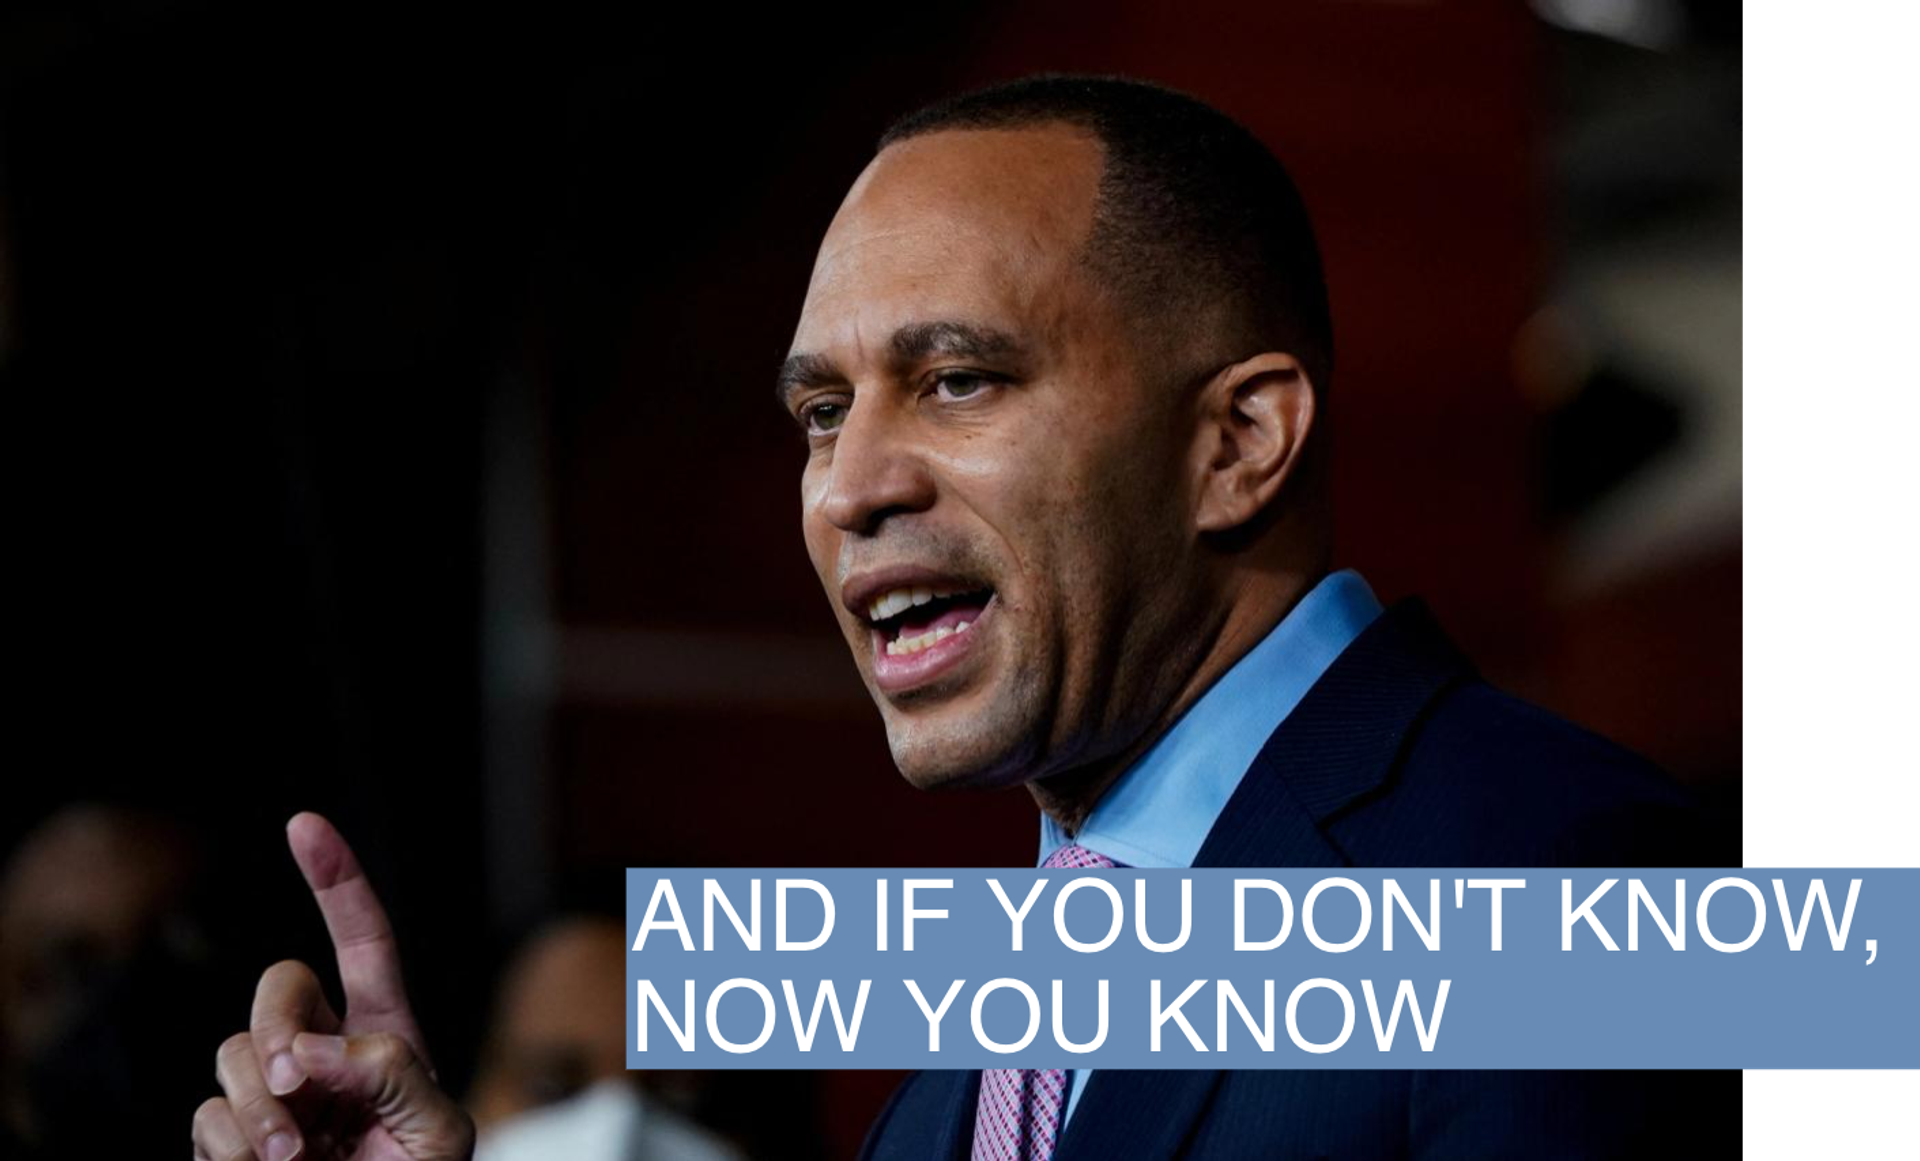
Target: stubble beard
997, 745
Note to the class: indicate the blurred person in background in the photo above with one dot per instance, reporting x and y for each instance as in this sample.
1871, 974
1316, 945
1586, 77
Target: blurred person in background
107, 967
553, 1078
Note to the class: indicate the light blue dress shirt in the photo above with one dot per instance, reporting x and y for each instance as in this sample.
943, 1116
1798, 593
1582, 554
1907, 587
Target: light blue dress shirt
1159, 812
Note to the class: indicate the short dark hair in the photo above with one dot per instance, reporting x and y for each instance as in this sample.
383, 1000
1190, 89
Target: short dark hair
1193, 211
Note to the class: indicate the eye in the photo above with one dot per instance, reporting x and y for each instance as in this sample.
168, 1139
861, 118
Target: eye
822, 416
954, 385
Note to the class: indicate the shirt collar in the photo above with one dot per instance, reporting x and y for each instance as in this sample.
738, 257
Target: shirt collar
1159, 812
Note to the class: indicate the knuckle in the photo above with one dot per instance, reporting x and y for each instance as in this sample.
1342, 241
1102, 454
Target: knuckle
387, 1051
282, 1005
216, 1136
210, 1111
234, 1050
263, 1113
287, 973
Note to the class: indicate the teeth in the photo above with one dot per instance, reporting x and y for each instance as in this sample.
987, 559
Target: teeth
908, 645
898, 601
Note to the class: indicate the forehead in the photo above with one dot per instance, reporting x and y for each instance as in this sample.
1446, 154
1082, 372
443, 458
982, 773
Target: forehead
983, 226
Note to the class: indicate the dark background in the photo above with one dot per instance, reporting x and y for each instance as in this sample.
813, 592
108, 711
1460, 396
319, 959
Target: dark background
392, 429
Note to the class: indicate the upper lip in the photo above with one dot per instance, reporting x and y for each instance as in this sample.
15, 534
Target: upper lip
863, 588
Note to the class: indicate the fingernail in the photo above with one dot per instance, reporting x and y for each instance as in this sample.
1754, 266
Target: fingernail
282, 1147
283, 1074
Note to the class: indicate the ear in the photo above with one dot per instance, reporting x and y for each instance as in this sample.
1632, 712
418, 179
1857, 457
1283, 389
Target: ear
1254, 422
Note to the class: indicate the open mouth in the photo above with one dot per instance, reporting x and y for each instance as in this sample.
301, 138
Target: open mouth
911, 620
923, 626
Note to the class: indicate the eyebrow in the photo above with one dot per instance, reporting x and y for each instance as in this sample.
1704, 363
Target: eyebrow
910, 344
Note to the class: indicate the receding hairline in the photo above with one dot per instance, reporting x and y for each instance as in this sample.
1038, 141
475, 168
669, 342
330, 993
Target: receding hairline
1141, 321
1103, 157
1226, 233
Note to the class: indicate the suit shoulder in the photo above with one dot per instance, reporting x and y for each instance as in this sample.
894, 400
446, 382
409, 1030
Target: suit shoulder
1488, 779
1512, 740
871, 1146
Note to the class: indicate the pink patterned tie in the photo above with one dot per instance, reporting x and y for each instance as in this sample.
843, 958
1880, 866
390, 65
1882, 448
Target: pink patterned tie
1020, 1110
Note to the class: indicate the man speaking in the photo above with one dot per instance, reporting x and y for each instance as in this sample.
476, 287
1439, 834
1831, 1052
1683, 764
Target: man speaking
1063, 369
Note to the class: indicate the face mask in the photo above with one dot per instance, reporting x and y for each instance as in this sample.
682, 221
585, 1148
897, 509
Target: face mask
608, 1121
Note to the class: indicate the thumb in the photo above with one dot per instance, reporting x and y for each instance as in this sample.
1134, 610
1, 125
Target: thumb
380, 1075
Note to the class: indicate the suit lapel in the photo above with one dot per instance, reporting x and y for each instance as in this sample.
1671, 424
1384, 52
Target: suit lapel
1337, 746
1136, 1114
955, 1096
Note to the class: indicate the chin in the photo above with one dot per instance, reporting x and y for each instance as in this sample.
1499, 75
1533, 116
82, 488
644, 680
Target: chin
959, 755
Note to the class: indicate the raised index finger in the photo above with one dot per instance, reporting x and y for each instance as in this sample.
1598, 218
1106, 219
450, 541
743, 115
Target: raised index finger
362, 938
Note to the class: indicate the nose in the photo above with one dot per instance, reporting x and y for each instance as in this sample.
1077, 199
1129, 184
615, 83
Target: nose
877, 471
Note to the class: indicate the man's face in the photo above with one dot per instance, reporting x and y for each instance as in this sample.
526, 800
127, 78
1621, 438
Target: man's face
996, 497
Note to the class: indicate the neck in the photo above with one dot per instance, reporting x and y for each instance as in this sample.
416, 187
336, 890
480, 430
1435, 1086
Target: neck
1070, 796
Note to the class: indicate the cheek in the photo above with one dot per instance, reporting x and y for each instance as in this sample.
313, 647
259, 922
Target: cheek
812, 481
1118, 533
1067, 521
821, 538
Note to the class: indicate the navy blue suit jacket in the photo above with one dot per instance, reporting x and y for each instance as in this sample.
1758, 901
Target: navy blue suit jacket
1400, 756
